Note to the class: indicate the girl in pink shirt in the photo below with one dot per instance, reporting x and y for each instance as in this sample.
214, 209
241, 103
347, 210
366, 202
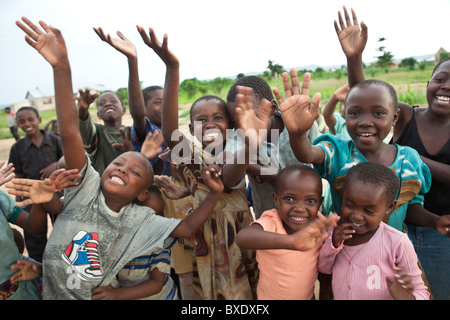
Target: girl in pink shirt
370, 260
288, 238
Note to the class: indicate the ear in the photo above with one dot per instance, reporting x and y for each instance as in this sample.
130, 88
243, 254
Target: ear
274, 108
191, 128
275, 200
124, 110
40, 119
396, 116
391, 207
143, 195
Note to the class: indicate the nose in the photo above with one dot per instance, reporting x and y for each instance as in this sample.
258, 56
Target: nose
365, 120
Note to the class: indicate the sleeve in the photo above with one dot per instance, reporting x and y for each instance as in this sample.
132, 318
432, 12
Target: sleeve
14, 158
88, 132
137, 143
160, 260
334, 149
406, 258
8, 207
267, 222
327, 255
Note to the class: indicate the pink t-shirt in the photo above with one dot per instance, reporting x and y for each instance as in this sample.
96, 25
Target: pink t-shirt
284, 274
359, 272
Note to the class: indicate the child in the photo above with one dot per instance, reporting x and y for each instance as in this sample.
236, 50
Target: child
11, 119
287, 274
34, 157
370, 260
224, 270
100, 228
427, 131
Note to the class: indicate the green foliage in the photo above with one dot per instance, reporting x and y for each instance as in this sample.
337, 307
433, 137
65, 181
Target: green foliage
409, 63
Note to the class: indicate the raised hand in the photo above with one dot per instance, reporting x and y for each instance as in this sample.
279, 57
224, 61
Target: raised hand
37, 191
315, 233
63, 178
126, 144
152, 145
121, 44
250, 120
87, 97
352, 37
7, 173
400, 285
161, 49
49, 43
211, 175
297, 110
170, 189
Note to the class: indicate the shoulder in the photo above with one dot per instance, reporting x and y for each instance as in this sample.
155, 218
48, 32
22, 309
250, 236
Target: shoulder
271, 221
405, 113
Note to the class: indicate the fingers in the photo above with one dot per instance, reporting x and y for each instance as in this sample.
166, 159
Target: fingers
278, 95
306, 83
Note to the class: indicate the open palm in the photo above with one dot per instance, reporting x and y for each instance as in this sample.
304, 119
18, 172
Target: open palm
352, 37
121, 44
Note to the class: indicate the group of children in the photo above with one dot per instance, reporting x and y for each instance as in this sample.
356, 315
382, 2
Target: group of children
120, 214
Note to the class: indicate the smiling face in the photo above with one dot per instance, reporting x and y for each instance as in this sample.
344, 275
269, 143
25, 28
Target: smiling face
127, 178
153, 107
209, 122
369, 115
28, 121
438, 90
298, 199
110, 108
364, 206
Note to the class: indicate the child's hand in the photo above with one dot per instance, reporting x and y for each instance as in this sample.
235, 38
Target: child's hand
47, 171
104, 293
211, 175
352, 38
121, 44
341, 233
298, 111
315, 233
161, 50
400, 285
50, 44
87, 97
38, 191
126, 144
152, 145
170, 189
443, 225
26, 270
250, 120
7, 173
63, 178
342, 92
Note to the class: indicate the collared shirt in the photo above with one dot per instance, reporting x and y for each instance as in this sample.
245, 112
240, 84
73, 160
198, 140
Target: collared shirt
28, 159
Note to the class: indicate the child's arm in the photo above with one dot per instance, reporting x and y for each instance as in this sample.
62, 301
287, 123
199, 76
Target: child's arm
50, 44
189, 226
330, 107
26, 270
170, 189
87, 97
419, 215
169, 123
135, 97
152, 145
400, 285
299, 113
353, 40
250, 122
145, 289
255, 238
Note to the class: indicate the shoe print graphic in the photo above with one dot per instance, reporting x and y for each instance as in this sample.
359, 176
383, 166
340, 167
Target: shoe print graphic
82, 255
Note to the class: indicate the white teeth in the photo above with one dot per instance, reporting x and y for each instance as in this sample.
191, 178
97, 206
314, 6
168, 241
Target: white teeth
117, 180
357, 225
442, 99
299, 219
366, 134
210, 136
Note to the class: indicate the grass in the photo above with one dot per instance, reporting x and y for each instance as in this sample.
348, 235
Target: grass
409, 84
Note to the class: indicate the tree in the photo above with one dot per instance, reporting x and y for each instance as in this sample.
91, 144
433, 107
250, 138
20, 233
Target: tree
386, 59
409, 63
218, 84
190, 86
275, 69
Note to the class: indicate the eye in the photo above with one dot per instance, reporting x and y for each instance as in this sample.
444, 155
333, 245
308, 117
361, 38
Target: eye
218, 118
311, 201
288, 199
136, 173
379, 113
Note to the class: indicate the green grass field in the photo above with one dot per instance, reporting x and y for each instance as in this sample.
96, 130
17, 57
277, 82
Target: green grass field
410, 86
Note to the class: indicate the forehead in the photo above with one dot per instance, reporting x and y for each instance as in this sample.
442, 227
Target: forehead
26, 114
444, 67
370, 94
107, 95
207, 107
299, 181
364, 192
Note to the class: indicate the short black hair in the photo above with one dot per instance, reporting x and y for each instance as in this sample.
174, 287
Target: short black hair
376, 174
148, 92
380, 83
114, 93
260, 88
296, 168
439, 64
28, 108
207, 98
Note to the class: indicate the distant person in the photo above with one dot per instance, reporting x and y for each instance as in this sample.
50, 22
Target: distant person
10, 117
34, 157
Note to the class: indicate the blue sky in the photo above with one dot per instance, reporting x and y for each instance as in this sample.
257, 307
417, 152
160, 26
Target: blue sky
211, 38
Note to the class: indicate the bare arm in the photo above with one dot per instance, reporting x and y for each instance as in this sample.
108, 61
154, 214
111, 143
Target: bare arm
329, 109
51, 45
169, 123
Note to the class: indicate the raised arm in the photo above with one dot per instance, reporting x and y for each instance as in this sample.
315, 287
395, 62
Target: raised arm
135, 97
49, 42
329, 109
353, 39
299, 113
169, 123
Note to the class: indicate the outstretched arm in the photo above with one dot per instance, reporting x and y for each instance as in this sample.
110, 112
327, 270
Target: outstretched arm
135, 97
353, 40
329, 109
169, 123
50, 43
299, 113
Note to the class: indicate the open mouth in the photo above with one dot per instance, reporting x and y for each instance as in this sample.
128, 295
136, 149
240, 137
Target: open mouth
358, 225
366, 134
117, 180
211, 136
442, 100
298, 219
